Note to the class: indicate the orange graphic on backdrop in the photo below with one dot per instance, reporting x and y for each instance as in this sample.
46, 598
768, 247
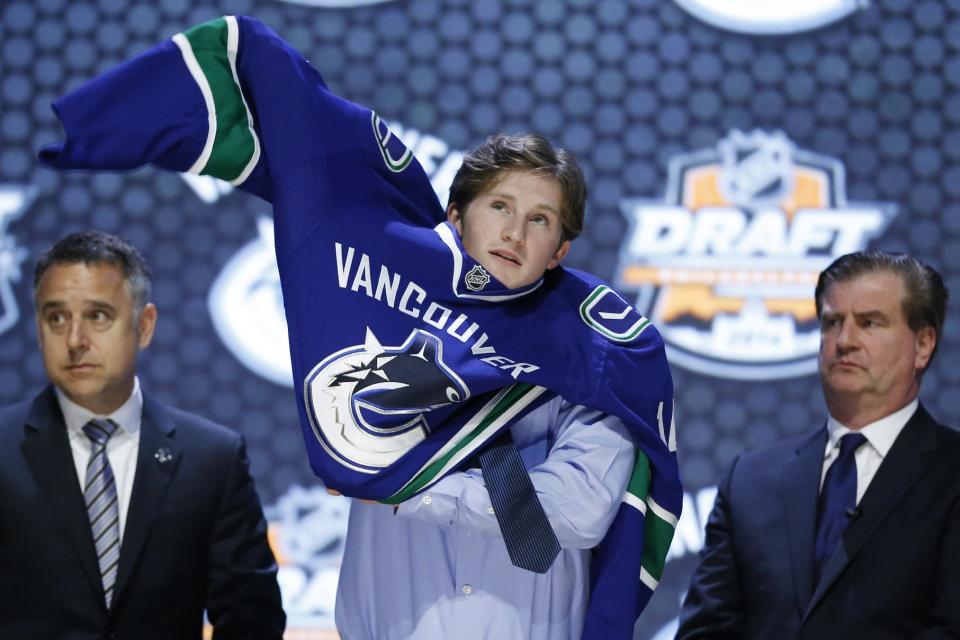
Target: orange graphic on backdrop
689, 292
702, 189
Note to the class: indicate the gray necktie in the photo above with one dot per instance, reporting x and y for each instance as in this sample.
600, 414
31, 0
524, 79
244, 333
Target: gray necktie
529, 537
100, 495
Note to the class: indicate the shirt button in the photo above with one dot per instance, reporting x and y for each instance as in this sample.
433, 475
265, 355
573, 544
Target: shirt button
490, 510
427, 499
467, 589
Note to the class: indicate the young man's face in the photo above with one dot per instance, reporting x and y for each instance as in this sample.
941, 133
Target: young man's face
89, 334
513, 227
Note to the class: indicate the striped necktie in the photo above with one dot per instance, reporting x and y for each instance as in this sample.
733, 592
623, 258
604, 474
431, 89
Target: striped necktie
100, 495
530, 540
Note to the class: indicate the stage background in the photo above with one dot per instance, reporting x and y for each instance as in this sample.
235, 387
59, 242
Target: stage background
726, 168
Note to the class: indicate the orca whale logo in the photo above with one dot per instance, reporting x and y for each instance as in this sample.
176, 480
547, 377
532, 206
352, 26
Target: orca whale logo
366, 403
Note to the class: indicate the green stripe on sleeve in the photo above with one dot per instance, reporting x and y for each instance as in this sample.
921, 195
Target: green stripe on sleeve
234, 145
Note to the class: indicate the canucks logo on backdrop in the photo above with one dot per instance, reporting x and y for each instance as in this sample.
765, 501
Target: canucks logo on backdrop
726, 264
335, 4
366, 402
307, 531
14, 200
767, 17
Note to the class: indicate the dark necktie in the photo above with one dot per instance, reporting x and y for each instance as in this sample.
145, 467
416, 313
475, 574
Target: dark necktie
100, 495
837, 499
531, 542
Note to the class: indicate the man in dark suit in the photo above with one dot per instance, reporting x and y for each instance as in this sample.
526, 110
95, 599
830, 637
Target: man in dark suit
120, 517
854, 530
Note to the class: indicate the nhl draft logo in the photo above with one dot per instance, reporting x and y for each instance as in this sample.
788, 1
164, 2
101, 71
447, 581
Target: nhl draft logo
366, 402
477, 278
726, 265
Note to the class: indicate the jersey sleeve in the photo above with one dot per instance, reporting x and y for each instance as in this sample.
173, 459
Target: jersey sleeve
230, 99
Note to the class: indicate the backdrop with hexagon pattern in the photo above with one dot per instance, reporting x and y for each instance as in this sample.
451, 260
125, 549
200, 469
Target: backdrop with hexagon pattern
730, 156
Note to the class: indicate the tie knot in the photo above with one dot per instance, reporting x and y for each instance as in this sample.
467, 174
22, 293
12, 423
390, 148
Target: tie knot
850, 443
100, 430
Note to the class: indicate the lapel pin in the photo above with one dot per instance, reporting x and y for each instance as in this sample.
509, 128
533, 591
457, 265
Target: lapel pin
163, 455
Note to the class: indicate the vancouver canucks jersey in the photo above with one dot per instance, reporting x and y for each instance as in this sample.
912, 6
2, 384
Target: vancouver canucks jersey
408, 356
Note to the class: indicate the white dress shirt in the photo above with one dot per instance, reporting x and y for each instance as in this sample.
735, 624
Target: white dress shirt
438, 568
880, 436
122, 446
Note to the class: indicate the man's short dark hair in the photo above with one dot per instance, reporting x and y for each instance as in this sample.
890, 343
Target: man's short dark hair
925, 301
91, 247
500, 153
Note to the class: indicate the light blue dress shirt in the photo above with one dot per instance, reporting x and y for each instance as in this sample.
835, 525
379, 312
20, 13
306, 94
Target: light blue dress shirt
438, 568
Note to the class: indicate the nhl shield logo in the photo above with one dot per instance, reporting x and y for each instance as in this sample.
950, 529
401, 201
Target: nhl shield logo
725, 265
366, 403
756, 168
477, 278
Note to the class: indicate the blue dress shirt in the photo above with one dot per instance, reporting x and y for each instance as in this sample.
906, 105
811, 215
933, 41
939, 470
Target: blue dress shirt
438, 568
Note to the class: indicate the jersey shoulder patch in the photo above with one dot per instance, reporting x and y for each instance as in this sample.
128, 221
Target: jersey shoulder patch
611, 316
396, 156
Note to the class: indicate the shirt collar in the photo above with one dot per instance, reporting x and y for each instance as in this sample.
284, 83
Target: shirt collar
880, 434
127, 416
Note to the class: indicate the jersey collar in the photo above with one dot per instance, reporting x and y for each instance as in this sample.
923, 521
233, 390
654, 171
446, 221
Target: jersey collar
469, 279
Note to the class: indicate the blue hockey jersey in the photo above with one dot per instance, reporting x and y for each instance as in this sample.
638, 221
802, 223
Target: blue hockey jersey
408, 356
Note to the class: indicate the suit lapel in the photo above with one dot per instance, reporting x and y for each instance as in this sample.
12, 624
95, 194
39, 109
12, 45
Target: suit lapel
157, 460
46, 447
907, 460
801, 486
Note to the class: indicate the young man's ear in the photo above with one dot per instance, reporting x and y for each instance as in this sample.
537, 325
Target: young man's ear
454, 217
558, 256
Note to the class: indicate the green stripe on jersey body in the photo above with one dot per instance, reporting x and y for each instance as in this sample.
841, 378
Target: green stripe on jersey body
231, 150
476, 432
658, 523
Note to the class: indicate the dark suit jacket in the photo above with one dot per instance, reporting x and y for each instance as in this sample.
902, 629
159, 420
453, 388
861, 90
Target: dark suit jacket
895, 575
194, 538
